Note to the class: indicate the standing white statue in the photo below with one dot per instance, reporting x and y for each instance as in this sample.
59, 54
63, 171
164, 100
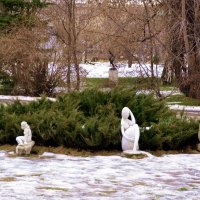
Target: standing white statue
130, 134
130, 131
25, 142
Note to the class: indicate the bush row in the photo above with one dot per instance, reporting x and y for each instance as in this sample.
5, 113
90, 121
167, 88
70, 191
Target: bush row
91, 120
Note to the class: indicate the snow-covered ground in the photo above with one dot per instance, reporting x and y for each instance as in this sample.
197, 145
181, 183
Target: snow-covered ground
171, 177
101, 69
185, 108
21, 98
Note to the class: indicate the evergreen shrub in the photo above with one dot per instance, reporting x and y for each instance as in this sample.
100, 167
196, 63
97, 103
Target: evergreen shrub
91, 120
170, 134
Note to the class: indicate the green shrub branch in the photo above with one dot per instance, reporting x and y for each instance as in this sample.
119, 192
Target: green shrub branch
91, 120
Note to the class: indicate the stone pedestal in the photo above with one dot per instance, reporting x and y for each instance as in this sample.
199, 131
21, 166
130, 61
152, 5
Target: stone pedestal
113, 75
136, 154
25, 149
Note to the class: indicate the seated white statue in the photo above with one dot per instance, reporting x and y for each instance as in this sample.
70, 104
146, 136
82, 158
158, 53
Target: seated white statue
27, 138
25, 142
130, 131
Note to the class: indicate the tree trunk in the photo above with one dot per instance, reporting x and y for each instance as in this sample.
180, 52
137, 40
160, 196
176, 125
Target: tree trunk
74, 36
190, 17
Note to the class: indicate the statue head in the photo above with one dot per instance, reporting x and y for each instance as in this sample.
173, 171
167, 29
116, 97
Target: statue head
125, 112
24, 125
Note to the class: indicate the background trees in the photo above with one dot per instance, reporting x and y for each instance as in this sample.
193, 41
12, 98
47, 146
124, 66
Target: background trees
182, 44
69, 20
36, 36
22, 54
132, 35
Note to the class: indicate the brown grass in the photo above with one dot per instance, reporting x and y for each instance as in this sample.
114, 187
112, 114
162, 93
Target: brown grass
39, 150
62, 150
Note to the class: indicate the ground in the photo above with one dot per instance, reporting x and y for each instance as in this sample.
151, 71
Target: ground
39, 150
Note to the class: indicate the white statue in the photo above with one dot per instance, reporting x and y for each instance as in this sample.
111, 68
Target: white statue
21, 140
25, 142
130, 134
130, 131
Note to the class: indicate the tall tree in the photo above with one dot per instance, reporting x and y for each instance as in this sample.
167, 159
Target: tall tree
184, 30
70, 20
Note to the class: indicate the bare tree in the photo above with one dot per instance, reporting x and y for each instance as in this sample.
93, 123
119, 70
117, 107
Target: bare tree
25, 56
132, 35
69, 24
26, 52
184, 34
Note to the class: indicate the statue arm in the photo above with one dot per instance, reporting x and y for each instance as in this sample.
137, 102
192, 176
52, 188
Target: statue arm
132, 118
124, 134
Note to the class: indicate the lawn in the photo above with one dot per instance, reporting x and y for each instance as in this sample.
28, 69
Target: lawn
135, 82
141, 83
181, 99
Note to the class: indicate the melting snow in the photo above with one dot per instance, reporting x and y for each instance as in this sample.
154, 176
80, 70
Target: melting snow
185, 108
22, 98
101, 69
99, 177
